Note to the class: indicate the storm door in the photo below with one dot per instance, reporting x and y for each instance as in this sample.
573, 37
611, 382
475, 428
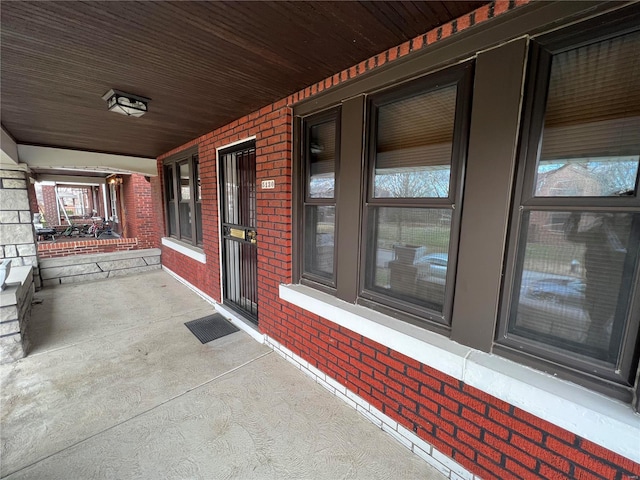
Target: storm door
239, 235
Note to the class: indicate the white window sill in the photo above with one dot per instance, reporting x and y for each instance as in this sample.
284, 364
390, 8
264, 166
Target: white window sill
188, 250
602, 420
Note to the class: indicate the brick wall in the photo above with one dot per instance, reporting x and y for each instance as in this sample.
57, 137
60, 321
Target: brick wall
487, 436
81, 247
138, 211
272, 128
50, 206
33, 201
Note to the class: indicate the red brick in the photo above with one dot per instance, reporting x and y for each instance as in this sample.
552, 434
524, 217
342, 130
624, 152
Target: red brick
403, 379
610, 456
490, 466
548, 472
417, 43
460, 423
440, 399
447, 28
473, 466
465, 399
463, 23
432, 36
374, 363
405, 48
581, 474
580, 458
545, 426
390, 362
404, 359
518, 455
518, 469
500, 6
485, 423
544, 455
372, 382
479, 446
425, 379
522, 428
441, 376
420, 399
482, 14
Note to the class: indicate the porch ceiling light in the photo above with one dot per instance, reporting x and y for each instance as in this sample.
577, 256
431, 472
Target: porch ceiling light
125, 103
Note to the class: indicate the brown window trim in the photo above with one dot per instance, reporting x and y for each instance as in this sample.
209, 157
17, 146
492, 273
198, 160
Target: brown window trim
189, 155
332, 114
620, 380
462, 77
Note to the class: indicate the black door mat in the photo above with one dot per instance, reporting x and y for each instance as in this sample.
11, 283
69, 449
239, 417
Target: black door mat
211, 328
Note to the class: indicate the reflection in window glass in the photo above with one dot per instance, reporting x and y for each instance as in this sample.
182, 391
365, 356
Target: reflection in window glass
196, 169
591, 138
322, 153
413, 146
587, 177
185, 184
410, 254
319, 233
575, 283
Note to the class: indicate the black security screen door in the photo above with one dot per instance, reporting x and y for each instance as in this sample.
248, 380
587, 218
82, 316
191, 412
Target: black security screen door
239, 236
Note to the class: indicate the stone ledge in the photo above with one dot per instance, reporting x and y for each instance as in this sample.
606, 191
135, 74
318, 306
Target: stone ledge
97, 257
98, 266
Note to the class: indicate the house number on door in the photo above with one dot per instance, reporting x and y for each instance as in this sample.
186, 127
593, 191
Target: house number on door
268, 184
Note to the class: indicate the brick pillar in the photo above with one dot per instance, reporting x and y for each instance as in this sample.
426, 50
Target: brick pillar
50, 207
139, 211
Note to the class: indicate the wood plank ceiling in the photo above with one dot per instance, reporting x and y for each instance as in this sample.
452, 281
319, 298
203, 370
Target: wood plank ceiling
203, 64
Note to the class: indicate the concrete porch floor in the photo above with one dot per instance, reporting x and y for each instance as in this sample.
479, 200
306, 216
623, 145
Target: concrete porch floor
116, 387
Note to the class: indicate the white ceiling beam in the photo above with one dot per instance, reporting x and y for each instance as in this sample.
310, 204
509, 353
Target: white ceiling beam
61, 158
9, 158
69, 179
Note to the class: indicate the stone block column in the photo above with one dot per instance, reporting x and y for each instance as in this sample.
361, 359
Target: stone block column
17, 236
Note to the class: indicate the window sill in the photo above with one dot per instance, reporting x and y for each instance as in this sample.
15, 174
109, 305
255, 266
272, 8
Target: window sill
602, 420
185, 249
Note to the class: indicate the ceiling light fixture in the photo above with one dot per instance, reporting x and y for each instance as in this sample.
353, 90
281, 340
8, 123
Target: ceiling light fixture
125, 103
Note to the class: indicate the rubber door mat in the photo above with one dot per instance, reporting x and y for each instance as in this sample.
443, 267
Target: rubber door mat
211, 328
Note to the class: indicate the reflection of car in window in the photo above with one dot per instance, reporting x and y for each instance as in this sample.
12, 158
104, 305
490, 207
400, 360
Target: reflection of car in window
432, 265
560, 290
553, 305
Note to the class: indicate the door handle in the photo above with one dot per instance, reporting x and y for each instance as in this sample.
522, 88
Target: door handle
251, 236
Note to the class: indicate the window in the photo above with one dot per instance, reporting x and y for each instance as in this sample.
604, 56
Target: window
183, 201
539, 260
379, 224
417, 144
573, 301
321, 147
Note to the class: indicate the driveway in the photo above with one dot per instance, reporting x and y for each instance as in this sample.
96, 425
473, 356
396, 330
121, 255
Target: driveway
116, 387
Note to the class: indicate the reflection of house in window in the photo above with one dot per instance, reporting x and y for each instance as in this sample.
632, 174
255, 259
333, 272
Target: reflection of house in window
569, 180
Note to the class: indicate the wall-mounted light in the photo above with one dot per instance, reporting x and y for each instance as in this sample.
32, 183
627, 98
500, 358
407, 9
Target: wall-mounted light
125, 103
115, 180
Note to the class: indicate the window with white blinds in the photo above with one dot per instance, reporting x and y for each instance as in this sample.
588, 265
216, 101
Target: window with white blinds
577, 253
